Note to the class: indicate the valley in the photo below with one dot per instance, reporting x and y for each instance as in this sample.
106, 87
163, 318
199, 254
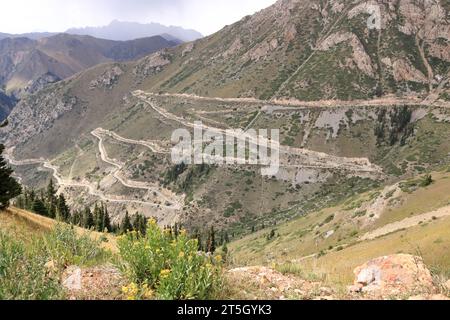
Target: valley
355, 118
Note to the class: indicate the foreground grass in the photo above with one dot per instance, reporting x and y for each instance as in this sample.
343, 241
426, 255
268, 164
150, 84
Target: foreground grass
31, 269
157, 265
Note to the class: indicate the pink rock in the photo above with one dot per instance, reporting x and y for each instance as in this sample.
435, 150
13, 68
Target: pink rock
393, 275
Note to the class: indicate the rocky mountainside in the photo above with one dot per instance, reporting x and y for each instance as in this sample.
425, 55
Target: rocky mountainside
27, 64
123, 31
316, 50
358, 108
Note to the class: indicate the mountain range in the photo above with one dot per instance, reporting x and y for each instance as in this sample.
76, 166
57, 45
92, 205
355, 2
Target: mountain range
120, 31
26, 65
358, 109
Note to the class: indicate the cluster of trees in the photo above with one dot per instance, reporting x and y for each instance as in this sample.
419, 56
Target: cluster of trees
138, 224
210, 241
398, 129
45, 203
48, 204
98, 219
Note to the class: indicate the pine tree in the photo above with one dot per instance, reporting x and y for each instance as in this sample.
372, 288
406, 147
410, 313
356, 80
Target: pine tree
106, 219
140, 224
62, 210
225, 252
211, 242
38, 207
50, 199
98, 218
9, 187
88, 219
77, 218
126, 224
226, 238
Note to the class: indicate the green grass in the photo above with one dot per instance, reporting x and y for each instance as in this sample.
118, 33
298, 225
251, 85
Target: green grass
27, 250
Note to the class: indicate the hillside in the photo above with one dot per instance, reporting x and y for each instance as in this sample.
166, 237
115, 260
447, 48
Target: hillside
27, 65
402, 218
358, 110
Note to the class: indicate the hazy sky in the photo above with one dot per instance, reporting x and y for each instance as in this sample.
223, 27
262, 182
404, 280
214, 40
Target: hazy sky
206, 16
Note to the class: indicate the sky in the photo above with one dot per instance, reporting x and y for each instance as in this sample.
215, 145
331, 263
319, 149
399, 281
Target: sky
205, 16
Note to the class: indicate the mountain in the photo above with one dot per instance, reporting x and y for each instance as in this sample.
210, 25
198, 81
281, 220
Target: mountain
122, 31
26, 63
31, 35
358, 110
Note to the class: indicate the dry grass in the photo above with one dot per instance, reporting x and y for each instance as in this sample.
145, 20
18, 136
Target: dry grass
37, 223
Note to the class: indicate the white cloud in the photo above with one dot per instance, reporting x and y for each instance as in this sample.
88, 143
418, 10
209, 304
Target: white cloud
206, 16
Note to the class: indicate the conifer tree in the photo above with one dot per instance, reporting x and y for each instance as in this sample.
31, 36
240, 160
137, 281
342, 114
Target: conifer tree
50, 199
38, 207
106, 219
77, 218
98, 218
140, 224
211, 242
9, 187
62, 210
88, 219
126, 224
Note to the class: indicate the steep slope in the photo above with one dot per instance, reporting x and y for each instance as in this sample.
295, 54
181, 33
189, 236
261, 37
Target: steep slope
334, 241
315, 50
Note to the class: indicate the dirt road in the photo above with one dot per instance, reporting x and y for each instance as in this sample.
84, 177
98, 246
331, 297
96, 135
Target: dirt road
407, 223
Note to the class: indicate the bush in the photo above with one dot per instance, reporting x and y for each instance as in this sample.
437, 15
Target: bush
65, 247
163, 267
23, 275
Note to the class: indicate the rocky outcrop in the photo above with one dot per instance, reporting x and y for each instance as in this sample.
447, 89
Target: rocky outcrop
392, 276
98, 283
152, 64
30, 118
266, 283
188, 49
404, 71
262, 50
360, 56
235, 47
108, 79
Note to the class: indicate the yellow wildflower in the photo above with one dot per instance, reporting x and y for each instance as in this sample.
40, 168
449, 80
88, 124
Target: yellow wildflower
148, 294
164, 273
181, 255
218, 258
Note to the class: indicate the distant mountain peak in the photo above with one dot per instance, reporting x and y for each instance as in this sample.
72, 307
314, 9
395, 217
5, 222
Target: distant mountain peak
126, 30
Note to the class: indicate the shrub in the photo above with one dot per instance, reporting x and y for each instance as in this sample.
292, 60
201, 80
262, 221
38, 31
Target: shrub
65, 247
162, 266
23, 275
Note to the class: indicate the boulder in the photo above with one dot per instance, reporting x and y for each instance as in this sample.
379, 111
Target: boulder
393, 275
